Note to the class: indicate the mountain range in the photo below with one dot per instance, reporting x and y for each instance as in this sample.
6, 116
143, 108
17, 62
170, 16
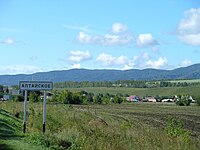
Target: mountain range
190, 72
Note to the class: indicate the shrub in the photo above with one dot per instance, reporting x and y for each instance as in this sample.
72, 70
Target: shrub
197, 100
18, 98
183, 100
175, 129
34, 96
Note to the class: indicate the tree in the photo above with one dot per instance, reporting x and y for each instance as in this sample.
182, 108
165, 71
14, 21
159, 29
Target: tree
197, 100
18, 98
1, 91
55, 96
183, 100
98, 99
76, 99
118, 99
106, 99
34, 96
65, 97
90, 98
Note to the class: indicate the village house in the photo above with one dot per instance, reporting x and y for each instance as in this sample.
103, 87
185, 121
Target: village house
167, 100
133, 98
150, 99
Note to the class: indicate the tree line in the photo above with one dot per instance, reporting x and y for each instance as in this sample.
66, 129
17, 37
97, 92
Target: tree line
83, 97
124, 83
68, 97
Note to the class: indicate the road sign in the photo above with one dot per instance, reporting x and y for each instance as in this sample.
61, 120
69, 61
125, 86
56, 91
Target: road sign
35, 85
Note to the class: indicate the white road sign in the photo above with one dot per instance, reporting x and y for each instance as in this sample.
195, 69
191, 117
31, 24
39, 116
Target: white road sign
35, 85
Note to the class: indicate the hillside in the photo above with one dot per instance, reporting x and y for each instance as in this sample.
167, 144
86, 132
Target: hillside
190, 72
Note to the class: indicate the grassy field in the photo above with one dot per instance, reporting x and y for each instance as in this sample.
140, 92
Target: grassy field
117, 126
167, 91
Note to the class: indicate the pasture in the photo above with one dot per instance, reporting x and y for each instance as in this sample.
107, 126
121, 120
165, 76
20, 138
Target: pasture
117, 126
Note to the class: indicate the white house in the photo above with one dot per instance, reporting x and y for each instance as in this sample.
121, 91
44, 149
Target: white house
151, 99
168, 100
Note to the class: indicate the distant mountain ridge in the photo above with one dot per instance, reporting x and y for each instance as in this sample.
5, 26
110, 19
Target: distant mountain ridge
190, 72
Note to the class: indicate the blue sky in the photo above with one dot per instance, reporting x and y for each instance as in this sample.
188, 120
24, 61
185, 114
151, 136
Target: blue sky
108, 34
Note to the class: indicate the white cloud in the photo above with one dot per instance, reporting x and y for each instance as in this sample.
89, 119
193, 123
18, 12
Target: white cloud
105, 59
108, 60
104, 40
127, 67
157, 64
119, 36
188, 29
119, 28
76, 66
8, 41
185, 62
146, 40
85, 38
19, 69
121, 60
78, 56
191, 39
142, 61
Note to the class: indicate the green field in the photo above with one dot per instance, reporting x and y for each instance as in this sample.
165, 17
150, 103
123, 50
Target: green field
164, 91
109, 127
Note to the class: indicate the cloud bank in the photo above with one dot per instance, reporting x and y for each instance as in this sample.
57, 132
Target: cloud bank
188, 30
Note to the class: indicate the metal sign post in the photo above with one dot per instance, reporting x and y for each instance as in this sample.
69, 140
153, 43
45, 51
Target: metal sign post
35, 86
44, 112
25, 103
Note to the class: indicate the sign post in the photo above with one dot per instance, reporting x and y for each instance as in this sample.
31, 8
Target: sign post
44, 112
25, 103
35, 86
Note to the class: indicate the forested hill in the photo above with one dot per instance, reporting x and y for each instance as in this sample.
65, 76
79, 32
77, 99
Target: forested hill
191, 72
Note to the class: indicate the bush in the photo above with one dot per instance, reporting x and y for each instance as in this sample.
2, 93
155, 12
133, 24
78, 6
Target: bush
175, 129
197, 100
18, 98
183, 100
34, 96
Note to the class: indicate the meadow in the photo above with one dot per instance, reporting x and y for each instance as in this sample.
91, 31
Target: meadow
105, 127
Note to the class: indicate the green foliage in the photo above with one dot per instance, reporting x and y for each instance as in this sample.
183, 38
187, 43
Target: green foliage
118, 99
197, 100
1, 88
18, 98
34, 96
98, 99
128, 83
183, 100
76, 99
1, 95
175, 129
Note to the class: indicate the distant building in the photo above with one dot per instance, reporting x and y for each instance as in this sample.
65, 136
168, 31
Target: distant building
150, 99
6, 97
192, 100
168, 100
48, 95
133, 98
14, 92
